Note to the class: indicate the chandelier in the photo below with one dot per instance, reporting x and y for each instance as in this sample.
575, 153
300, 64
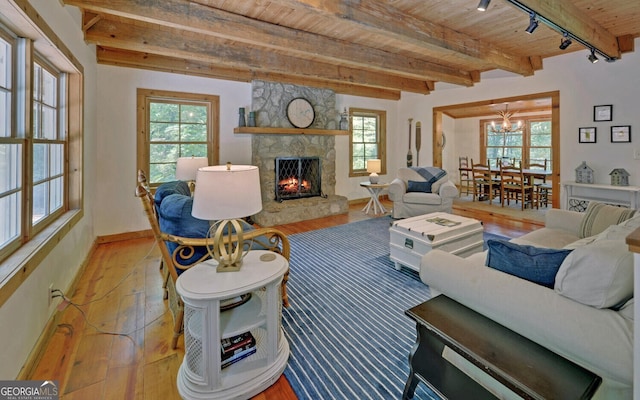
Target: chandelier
506, 125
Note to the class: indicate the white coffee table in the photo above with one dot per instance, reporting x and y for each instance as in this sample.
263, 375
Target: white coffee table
411, 238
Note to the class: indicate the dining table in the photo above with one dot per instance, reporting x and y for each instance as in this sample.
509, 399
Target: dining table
530, 174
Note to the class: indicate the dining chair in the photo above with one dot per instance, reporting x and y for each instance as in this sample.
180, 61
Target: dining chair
483, 184
541, 186
465, 175
514, 187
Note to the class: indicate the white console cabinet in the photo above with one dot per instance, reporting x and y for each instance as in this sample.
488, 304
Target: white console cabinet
202, 289
578, 195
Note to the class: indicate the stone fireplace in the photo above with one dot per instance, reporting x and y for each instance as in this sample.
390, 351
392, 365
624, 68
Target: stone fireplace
269, 101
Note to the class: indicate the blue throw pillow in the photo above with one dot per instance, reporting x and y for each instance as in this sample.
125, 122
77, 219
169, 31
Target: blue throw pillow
535, 264
173, 187
419, 186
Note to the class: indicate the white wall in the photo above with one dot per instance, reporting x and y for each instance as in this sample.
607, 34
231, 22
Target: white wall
582, 85
24, 315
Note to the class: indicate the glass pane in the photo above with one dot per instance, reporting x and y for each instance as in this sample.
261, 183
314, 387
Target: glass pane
195, 150
193, 133
371, 151
358, 150
163, 112
5, 113
10, 212
10, 167
49, 127
159, 153
37, 76
40, 202
5, 64
40, 162
359, 163
193, 114
55, 202
56, 163
37, 132
49, 89
162, 173
163, 132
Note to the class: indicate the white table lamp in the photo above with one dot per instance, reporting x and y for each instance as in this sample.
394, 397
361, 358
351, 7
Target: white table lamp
186, 168
374, 166
225, 194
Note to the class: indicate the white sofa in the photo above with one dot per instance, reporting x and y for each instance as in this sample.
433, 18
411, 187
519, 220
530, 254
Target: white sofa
596, 337
408, 204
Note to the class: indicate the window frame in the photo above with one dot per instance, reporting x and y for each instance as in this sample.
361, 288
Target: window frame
146, 96
381, 139
33, 40
526, 139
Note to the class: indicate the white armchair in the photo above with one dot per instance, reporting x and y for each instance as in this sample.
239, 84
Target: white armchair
408, 203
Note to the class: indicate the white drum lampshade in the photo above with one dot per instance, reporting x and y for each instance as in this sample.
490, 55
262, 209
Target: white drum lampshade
225, 194
374, 166
186, 167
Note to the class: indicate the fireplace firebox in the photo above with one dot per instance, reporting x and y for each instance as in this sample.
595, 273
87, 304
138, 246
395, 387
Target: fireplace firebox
297, 177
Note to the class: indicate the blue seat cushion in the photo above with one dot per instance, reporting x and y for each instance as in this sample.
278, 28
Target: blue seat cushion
535, 264
176, 219
173, 187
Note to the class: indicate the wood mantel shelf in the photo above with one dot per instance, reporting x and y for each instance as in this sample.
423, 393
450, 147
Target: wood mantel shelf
288, 131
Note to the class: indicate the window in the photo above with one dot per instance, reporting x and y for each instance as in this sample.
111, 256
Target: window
530, 145
48, 146
38, 121
175, 125
367, 139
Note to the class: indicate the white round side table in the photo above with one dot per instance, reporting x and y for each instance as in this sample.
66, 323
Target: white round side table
202, 289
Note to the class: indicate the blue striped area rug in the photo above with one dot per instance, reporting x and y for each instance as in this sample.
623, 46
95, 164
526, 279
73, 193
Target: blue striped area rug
346, 326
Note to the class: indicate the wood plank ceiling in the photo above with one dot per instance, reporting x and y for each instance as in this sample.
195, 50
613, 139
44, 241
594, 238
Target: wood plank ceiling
373, 48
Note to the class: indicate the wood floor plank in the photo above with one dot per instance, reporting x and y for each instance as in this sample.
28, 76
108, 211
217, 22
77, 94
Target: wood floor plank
90, 365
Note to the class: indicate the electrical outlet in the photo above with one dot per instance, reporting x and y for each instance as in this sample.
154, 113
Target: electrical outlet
636, 154
50, 294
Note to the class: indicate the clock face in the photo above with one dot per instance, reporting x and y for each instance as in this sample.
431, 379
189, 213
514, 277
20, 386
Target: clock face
300, 113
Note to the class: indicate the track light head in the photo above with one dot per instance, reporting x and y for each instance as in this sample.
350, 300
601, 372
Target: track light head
592, 57
533, 23
483, 5
566, 42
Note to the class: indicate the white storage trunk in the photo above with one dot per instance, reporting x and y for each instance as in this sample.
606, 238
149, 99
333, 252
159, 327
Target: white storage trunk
414, 237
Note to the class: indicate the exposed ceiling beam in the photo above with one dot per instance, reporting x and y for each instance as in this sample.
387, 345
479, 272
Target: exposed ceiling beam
170, 43
378, 17
155, 62
190, 17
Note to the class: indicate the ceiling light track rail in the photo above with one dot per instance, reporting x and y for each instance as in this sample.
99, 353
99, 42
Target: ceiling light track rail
567, 35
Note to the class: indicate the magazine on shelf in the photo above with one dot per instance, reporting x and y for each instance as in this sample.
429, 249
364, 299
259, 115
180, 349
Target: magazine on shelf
239, 356
236, 344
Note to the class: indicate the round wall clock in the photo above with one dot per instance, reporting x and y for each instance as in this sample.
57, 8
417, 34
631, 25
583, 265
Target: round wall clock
300, 113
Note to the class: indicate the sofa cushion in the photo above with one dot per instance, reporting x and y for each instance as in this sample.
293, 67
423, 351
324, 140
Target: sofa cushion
599, 274
173, 187
432, 199
419, 186
535, 264
599, 217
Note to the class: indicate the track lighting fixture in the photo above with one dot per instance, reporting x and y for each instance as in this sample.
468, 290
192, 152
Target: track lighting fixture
568, 37
566, 42
533, 23
483, 5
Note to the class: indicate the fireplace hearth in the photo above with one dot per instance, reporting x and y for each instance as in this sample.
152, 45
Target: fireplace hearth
297, 177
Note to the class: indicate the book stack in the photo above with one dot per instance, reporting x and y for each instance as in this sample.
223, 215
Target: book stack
236, 348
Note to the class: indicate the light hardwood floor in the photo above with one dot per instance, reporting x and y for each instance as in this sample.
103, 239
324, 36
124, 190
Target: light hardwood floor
121, 291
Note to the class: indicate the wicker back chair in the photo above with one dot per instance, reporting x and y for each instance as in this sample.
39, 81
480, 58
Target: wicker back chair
266, 238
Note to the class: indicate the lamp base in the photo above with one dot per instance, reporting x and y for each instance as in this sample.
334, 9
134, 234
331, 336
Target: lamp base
228, 245
229, 268
374, 178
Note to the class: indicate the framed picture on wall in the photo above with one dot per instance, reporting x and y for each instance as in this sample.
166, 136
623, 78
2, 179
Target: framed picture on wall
603, 113
587, 135
621, 134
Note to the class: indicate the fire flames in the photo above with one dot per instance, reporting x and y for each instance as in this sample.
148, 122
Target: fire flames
293, 185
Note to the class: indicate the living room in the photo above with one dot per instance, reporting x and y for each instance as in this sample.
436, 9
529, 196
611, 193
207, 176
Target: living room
109, 148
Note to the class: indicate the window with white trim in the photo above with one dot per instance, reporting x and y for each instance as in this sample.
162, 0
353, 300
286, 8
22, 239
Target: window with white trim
367, 140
